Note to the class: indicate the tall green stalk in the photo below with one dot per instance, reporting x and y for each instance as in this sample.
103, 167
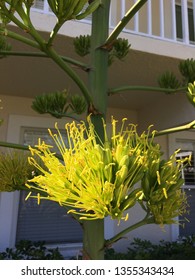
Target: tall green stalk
99, 59
93, 242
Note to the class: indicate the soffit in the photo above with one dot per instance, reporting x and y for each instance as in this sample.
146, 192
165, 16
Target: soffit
28, 77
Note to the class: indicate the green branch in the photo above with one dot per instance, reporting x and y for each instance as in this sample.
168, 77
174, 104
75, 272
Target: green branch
113, 91
54, 33
72, 74
21, 147
121, 234
14, 146
124, 21
180, 128
74, 62
20, 38
10, 15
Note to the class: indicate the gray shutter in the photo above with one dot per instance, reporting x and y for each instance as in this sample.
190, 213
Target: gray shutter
48, 221
188, 228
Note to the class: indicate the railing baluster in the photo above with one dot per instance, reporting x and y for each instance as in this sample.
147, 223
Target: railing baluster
185, 25
149, 15
173, 13
136, 20
123, 8
162, 21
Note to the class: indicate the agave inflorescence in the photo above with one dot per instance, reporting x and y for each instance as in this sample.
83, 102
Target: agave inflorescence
191, 93
14, 170
64, 10
95, 179
73, 9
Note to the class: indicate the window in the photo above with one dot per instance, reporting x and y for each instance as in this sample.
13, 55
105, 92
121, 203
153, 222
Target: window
188, 174
179, 23
48, 221
188, 228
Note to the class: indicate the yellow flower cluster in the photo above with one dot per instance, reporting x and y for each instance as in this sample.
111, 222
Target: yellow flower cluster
95, 178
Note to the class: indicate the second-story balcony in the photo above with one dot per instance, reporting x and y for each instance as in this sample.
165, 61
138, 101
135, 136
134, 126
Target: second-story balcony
167, 20
161, 34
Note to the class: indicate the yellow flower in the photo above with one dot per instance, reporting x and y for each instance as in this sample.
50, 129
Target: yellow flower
94, 178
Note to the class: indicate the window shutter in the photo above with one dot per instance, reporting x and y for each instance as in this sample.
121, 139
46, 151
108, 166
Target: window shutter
187, 228
188, 173
48, 221
187, 222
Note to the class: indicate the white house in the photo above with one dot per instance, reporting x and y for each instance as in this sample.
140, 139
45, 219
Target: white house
161, 35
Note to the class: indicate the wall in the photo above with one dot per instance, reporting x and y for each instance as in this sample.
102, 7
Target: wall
22, 106
16, 113
13, 105
167, 112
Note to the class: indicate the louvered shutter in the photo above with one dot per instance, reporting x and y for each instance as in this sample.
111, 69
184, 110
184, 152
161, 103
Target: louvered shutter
48, 221
188, 174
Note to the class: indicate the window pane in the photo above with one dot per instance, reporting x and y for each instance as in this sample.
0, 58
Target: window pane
179, 23
191, 24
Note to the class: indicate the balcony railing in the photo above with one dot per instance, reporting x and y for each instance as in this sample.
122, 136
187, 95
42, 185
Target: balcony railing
170, 20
